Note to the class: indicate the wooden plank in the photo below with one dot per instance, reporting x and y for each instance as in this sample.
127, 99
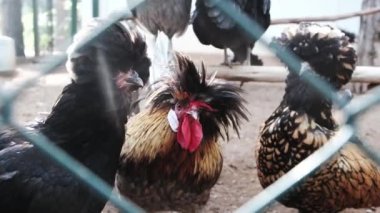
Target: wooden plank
362, 74
326, 18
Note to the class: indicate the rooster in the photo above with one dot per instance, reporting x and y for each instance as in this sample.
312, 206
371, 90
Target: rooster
171, 157
303, 123
87, 122
164, 19
213, 27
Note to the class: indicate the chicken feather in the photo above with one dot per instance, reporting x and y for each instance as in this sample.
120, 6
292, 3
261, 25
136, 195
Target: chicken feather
82, 123
303, 123
214, 27
155, 170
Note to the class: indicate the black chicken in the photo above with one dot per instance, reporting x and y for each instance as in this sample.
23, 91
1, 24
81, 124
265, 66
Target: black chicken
213, 27
87, 122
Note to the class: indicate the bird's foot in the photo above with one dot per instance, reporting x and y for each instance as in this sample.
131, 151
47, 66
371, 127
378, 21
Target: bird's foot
227, 63
254, 61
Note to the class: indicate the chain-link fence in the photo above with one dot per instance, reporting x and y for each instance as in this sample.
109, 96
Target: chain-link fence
346, 132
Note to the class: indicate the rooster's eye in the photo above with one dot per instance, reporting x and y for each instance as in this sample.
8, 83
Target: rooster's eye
178, 107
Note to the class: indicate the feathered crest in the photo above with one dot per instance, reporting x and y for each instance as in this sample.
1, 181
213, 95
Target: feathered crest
121, 47
324, 47
187, 84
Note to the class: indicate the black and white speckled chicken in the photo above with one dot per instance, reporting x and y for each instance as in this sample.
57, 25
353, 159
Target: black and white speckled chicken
303, 122
87, 122
213, 27
171, 157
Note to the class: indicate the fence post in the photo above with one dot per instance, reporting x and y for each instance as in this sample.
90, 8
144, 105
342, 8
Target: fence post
50, 25
74, 17
95, 8
36, 33
368, 35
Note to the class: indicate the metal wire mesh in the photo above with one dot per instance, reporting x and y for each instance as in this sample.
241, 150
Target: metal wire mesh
346, 132
256, 204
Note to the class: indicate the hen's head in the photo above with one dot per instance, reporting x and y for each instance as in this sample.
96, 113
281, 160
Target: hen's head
118, 54
203, 109
326, 49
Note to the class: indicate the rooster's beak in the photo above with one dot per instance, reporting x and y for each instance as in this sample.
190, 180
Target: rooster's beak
194, 114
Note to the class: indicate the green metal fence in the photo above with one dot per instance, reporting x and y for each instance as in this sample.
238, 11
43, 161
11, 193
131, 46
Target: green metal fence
44, 28
347, 131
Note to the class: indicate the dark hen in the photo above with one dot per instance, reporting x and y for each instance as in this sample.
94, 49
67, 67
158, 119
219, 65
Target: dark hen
171, 157
213, 27
303, 123
87, 122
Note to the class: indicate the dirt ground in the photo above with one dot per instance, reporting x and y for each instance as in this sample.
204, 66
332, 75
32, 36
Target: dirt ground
238, 182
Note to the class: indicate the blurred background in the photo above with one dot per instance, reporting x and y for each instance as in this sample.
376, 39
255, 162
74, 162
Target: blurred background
43, 27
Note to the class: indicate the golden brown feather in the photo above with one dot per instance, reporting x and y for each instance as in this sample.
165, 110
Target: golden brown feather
154, 161
303, 123
156, 170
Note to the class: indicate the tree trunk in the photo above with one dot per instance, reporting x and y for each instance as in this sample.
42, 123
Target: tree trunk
60, 32
12, 24
36, 30
369, 35
50, 24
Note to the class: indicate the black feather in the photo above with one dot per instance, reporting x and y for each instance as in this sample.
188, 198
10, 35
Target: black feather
214, 27
351, 36
330, 55
327, 55
81, 123
114, 44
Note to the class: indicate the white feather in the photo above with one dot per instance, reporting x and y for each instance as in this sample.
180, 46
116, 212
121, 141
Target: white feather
163, 58
173, 120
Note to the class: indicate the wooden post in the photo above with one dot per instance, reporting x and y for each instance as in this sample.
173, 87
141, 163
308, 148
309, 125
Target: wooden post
50, 24
364, 12
362, 74
60, 30
36, 32
369, 35
11, 23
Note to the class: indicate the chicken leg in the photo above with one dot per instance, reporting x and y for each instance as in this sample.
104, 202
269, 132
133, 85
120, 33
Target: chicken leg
226, 62
248, 59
